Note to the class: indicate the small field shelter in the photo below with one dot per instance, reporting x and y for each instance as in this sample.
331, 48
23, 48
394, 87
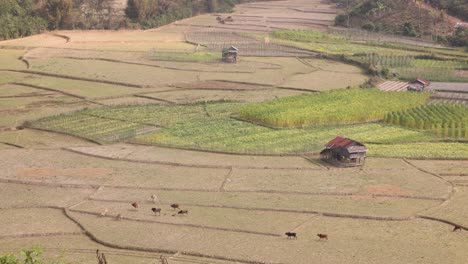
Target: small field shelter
344, 152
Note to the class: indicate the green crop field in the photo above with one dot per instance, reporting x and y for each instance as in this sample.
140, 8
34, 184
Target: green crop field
210, 126
447, 121
302, 35
234, 136
432, 74
330, 108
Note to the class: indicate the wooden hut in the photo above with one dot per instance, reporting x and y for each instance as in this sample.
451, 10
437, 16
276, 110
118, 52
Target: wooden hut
418, 85
230, 54
344, 152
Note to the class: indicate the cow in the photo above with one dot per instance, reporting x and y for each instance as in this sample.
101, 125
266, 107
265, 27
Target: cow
181, 212
291, 235
322, 236
156, 210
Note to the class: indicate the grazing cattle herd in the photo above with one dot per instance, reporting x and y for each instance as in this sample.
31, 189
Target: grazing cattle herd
175, 206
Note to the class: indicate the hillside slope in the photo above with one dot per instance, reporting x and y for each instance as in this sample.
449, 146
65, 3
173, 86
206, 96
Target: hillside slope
406, 17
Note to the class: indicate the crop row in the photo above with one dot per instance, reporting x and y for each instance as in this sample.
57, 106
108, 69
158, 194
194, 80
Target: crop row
89, 127
331, 108
432, 74
389, 60
447, 121
230, 135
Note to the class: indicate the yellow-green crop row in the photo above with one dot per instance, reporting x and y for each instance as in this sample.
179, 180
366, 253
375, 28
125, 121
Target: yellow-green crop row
331, 108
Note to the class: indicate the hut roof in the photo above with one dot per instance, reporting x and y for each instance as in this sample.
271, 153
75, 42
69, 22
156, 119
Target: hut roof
421, 81
351, 145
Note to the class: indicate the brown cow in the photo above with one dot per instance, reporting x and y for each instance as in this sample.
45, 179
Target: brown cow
156, 210
457, 228
136, 205
175, 206
181, 212
322, 236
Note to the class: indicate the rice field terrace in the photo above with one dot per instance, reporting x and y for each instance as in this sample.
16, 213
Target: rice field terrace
102, 131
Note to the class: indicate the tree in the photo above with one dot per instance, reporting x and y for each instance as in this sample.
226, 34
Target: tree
57, 13
213, 5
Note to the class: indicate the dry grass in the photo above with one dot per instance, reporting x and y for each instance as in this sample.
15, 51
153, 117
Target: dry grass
9, 59
233, 219
32, 196
20, 109
190, 96
42, 40
455, 210
12, 90
91, 90
443, 166
348, 205
290, 69
403, 181
80, 249
29, 138
43, 165
17, 222
194, 158
398, 242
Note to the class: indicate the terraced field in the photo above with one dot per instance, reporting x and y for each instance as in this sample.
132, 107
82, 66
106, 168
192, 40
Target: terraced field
93, 121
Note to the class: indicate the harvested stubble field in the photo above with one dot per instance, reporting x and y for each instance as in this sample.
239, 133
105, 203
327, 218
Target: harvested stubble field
257, 69
109, 86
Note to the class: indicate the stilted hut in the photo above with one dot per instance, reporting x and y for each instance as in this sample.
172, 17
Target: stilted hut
418, 85
230, 54
344, 152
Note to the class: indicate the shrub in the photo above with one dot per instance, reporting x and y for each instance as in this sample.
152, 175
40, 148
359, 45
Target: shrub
28, 256
409, 29
369, 26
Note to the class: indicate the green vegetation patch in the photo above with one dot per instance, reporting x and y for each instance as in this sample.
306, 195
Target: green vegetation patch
432, 74
446, 121
234, 136
209, 126
330, 108
304, 35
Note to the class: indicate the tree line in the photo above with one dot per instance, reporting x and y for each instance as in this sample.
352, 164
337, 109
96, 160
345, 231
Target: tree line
20, 18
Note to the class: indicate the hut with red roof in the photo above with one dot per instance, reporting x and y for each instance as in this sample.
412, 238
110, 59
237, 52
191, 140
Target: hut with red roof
344, 152
418, 85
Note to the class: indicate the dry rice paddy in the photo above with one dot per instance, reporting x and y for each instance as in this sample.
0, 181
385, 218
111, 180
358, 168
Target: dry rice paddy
54, 187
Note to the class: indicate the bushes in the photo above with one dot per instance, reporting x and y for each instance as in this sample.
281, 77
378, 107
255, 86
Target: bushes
28, 256
19, 19
155, 13
459, 38
409, 30
455, 7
